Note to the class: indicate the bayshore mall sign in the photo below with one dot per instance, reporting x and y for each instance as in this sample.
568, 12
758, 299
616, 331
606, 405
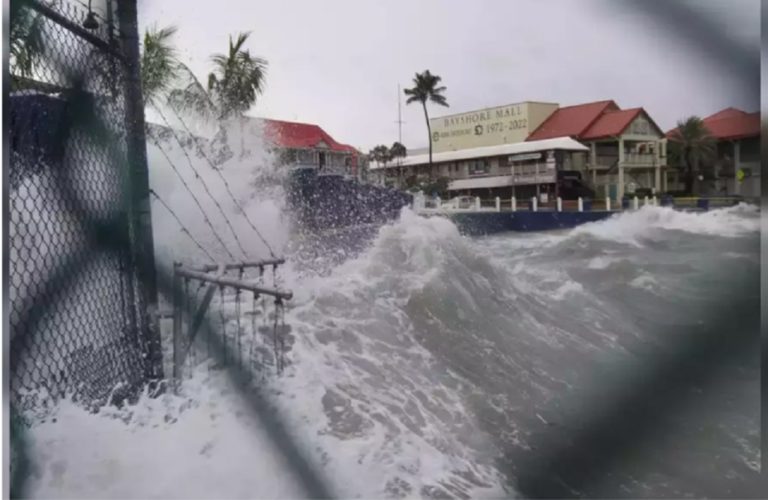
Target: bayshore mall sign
488, 127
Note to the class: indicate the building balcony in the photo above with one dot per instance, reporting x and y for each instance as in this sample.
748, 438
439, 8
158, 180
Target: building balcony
640, 160
629, 160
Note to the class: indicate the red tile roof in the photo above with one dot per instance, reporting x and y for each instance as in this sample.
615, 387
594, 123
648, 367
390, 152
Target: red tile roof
726, 113
730, 124
610, 124
571, 121
301, 136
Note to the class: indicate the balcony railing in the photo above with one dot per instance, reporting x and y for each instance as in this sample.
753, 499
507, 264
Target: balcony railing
644, 159
632, 159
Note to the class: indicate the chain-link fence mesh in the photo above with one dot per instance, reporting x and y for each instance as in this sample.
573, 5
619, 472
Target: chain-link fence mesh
76, 317
83, 335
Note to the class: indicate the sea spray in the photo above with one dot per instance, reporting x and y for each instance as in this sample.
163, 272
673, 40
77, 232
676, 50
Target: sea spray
428, 363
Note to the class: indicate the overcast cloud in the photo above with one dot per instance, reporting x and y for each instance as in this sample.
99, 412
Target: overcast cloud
337, 63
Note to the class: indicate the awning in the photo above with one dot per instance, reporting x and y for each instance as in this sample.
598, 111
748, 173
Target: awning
500, 181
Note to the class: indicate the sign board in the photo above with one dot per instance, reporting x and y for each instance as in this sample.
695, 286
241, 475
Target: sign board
524, 157
488, 127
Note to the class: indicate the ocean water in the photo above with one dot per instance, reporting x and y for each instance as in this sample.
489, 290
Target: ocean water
427, 364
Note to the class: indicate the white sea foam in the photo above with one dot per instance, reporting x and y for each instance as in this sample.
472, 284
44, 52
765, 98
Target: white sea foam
205, 443
631, 227
602, 262
369, 404
645, 282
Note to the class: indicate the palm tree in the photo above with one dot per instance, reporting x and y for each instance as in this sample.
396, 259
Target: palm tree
160, 67
237, 78
693, 144
398, 151
380, 154
26, 46
425, 88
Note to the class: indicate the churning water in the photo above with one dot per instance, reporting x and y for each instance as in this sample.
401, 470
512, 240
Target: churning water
430, 364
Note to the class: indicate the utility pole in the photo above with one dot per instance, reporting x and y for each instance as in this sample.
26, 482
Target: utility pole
140, 217
399, 118
399, 132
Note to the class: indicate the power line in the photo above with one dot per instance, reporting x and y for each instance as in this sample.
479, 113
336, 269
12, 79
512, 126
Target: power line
205, 186
224, 180
183, 228
186, 186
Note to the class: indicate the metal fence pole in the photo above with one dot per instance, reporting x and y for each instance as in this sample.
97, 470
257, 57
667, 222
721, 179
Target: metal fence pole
138, 184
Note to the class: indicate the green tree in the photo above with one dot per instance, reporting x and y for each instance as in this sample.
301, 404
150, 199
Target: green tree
693, 145
425, 88
160, 66
380, 154
26, 38
397, 150
237, 78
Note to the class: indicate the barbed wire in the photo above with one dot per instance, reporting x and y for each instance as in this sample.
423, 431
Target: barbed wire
183, 228
199, 178
189, 190
224, 180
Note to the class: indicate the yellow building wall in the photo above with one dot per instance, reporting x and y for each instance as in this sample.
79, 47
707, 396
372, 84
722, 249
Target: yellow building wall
488, 127
538, 112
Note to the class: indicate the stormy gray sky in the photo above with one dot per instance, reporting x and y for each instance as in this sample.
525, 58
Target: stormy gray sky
337, 63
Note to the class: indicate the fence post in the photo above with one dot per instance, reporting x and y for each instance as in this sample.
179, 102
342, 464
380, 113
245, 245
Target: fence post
581, 204
178, 304
140, 226
635, 203
514, 204
477, 203
535, 203
608, 203
498, 204
559, 204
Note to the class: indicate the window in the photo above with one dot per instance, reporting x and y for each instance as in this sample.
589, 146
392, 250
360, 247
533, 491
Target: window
479, 167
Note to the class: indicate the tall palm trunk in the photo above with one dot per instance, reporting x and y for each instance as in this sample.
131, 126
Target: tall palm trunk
429, 132
688, 172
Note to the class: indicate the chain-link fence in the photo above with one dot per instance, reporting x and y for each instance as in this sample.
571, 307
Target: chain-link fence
77, 297
77, 318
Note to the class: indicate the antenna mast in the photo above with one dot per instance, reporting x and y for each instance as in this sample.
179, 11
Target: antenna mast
399, 118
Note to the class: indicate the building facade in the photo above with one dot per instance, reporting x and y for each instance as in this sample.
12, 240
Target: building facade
508, 124
546, 168
626, 148
612, 152
308, 145
736, 167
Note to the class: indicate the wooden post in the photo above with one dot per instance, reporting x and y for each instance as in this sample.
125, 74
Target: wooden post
581, 204
559, 204
514, 204
535, 203
608, 203
199, 315
498, 204
178, 305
